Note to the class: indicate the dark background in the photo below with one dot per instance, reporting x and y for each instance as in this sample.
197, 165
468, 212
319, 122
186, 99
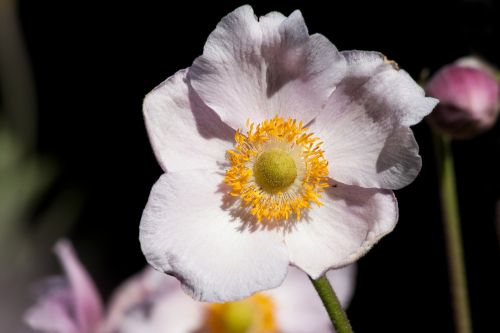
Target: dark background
93, 63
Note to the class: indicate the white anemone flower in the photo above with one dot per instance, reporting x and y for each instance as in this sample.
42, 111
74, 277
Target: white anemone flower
277, 149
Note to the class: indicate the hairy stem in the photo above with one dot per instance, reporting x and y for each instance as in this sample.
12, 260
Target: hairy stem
332, 305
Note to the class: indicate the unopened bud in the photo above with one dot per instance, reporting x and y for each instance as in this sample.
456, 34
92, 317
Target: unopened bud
468, 96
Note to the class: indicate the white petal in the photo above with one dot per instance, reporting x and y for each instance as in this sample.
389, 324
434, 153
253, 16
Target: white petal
364, 126
184, 132
385, 84
299, 309
361, 65
187, 231
374, 155
257, 69
336, 234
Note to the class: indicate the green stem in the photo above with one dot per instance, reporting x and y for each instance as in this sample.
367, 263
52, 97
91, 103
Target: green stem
451, 219
332, 305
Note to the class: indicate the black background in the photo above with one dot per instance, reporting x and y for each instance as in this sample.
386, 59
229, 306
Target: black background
94, 62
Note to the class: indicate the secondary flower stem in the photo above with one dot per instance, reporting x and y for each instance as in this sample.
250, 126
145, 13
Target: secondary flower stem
451, 219
332, 305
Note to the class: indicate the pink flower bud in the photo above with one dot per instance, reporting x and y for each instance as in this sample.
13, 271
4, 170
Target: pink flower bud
468, 96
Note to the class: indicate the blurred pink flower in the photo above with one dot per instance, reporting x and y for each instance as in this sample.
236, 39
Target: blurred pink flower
469, 98
67, 305
152, 302
294, 307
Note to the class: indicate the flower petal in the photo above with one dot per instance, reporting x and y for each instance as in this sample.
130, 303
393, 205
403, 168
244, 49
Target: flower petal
299, 309
385, 84
343, 281
372, 154
364, 126
153, 302
184, 132
257, 69
351, 220
174, 312
187, 231
136, 294
87, 302
53, 310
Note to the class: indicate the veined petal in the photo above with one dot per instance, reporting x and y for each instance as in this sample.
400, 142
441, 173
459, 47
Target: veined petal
351, 220
257, 69
184, 133
365, 125
371, 154
188, 230
388, 85
298, 307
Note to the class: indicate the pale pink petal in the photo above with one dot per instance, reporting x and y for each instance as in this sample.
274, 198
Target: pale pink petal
372, 154
343, 281
338, 233
184, 133
173, 312
138, 292
189, 229
298, 307
54, 312
388, 85
87, 304
153, 302
364, 126
259, 68
361, 65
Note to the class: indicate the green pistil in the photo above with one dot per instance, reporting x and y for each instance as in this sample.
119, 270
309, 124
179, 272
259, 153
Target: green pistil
237, 317
275, 170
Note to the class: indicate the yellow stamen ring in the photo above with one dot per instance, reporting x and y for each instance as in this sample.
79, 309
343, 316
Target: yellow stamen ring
277, 169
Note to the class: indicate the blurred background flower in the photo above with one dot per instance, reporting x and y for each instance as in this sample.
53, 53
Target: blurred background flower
152, 302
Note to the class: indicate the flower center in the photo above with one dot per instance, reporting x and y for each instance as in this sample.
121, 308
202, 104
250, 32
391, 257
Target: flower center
275, 170
251, 315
